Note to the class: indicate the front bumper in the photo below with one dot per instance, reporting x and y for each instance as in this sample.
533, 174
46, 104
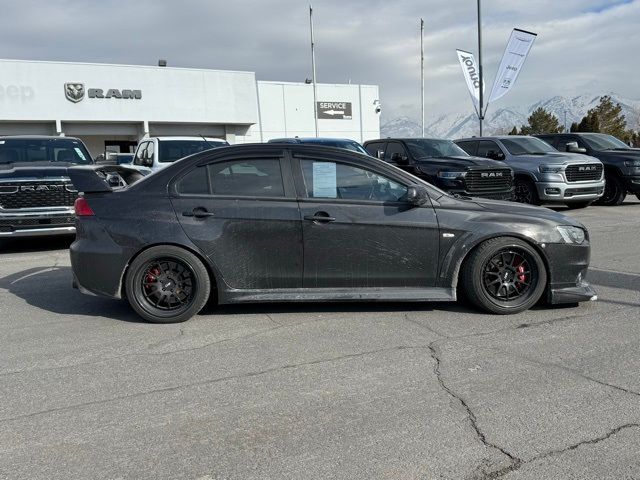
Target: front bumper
632, 184
37, 222
568, 266
570, 192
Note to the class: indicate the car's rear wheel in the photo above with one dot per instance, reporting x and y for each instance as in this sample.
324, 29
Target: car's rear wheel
525, 192
167, 284
578, 205
614, 191
504, 275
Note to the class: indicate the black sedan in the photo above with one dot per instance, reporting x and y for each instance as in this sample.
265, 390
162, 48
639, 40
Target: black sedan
305, 223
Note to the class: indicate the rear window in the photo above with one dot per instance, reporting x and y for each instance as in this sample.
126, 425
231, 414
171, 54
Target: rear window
53, 150
172, 150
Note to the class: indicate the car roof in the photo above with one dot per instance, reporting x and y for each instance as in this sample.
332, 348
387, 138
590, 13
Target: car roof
186, 137
495, 137
404, 139
299, 140
37, 137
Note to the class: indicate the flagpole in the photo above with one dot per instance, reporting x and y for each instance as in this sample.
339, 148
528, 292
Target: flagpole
481, 112
313, 73
422, 72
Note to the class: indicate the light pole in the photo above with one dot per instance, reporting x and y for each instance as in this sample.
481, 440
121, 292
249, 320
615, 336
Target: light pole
313, 72
422, 72
481, 110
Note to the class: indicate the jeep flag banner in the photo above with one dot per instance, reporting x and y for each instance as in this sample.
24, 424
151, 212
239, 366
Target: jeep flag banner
471, 75
513, 59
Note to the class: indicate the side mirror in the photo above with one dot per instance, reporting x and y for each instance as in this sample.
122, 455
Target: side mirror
417, 196
495, 155
399, 158
573, 147
147, 161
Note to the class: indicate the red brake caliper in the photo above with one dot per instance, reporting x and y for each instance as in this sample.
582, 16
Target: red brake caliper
151, 277
522, 278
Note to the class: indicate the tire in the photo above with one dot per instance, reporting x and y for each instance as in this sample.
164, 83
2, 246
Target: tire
638, 196
578, 205
520, 261
525, 192
167, 284
614, 191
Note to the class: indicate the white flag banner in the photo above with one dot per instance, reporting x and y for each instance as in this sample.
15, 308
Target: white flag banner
513, 59
471, 75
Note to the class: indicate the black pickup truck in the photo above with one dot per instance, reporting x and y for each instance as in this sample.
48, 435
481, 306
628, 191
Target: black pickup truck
445, 165
621, 162
36, 194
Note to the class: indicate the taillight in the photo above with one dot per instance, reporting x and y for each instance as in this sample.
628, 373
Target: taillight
82, 208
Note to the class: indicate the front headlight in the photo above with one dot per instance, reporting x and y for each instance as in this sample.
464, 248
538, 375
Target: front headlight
550, 168
571, 234
632, 163
451, 175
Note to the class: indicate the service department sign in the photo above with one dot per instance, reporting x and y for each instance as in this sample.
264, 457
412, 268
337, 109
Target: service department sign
334, 110
75, 92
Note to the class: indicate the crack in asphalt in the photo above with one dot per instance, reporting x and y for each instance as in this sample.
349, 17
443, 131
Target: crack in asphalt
217, 380
515, 462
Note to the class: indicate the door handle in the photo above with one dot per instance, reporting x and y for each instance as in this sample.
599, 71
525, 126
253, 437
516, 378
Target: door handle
199, 212
320, 217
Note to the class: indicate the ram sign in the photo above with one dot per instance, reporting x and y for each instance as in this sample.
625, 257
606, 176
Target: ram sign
334, 110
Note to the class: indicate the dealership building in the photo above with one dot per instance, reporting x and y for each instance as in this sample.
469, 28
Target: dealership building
112, 107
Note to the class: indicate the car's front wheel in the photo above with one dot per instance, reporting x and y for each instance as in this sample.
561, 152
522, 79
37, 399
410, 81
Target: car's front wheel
504, 275
167, 284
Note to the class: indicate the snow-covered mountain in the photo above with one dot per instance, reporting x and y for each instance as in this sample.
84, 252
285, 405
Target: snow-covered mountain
502, 120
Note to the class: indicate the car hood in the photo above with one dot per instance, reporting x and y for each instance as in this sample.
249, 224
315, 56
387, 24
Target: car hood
463, 161
34, 170
558, 158
630, 154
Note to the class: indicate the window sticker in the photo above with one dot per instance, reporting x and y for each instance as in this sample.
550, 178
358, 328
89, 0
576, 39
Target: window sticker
324, 180
80, 154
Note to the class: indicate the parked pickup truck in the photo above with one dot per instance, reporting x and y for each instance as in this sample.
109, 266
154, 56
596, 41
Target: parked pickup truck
36, 194
445, 165
621, 162
155, 153
542, 174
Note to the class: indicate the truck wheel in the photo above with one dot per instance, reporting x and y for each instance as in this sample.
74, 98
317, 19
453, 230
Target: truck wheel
504, 275
614, 191
638, 196
525, 192
167, 284
578, 205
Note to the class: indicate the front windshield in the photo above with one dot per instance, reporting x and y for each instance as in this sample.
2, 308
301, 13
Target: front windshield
600, 142
527, 146
172, 150
421, 148
53, 150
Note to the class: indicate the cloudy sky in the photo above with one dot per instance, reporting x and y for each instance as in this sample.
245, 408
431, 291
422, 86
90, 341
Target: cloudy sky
583, 45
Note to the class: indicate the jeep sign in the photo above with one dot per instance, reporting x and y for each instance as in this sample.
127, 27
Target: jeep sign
334, 110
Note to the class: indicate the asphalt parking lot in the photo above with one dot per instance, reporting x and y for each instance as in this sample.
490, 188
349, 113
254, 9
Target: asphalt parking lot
321, 391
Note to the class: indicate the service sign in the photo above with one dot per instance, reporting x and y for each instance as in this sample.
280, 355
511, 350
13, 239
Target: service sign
334, 110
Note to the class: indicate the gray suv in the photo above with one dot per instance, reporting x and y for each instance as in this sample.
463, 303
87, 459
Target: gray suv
542, 173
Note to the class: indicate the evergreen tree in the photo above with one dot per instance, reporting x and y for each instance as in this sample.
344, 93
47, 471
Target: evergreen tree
541, 121
574, 127
606, 117
514, 131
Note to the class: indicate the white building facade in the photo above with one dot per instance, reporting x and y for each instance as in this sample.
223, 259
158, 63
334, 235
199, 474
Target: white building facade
112, 107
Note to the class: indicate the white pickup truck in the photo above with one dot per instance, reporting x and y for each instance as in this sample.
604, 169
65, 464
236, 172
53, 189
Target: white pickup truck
155, 153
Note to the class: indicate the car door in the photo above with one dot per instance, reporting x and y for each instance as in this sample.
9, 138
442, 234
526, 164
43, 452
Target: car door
243, 214
357, 229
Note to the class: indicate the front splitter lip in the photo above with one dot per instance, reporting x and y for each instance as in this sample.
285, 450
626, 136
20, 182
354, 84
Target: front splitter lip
576, 294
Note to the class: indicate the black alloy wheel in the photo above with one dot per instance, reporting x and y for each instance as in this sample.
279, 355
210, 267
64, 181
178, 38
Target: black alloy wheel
504, 275
525, 192
167, 284
614, 191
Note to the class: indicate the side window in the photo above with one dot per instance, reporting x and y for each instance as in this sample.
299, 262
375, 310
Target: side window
562, 144
394, 147
247, 177
469, 147
195, 182
551, 140
487, 146
140, 154
375, 149
348, 182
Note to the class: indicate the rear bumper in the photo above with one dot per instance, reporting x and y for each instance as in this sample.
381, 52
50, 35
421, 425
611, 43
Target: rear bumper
570, 192
37, 222
568, 266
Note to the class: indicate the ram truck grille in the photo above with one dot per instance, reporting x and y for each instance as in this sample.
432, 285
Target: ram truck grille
489, 180
584, 173
37, 194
